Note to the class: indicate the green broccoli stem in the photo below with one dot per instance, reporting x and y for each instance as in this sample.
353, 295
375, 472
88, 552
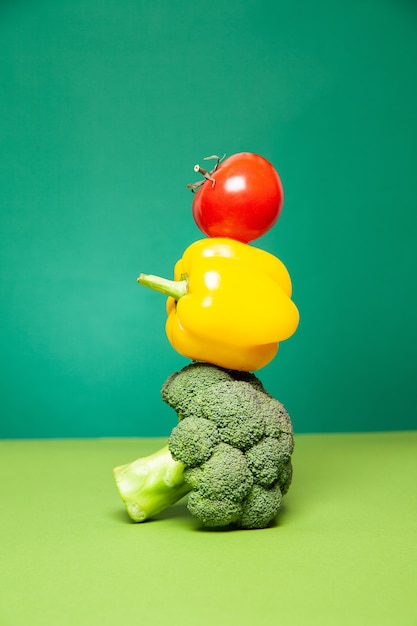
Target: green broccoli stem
151, 484
174, 288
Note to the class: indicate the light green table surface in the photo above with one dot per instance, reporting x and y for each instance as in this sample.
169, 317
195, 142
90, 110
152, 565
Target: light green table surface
344, 550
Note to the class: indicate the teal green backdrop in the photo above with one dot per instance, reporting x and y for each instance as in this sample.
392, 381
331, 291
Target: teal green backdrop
106, 106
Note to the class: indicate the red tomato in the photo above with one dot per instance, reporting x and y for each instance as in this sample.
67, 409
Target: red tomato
242, 199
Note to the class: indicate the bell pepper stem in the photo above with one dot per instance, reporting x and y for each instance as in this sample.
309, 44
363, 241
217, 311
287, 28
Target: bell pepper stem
174, 288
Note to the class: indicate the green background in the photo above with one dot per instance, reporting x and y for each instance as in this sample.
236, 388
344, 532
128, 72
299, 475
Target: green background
342, 551
105, 107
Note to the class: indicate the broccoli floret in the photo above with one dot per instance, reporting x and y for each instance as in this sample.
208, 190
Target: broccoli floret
260, 507
231, 452
225, 475
214, 513
193, 440
183, 390
235, 408
265, 460
276, 418
285, 477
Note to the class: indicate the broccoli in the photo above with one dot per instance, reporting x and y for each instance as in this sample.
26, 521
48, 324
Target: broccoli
235, 407
193, 440
184, 391
230, 452
260, 507
265, 460
214, 513
225, 475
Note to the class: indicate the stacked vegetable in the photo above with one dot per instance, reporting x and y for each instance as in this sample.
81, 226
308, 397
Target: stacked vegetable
231, 449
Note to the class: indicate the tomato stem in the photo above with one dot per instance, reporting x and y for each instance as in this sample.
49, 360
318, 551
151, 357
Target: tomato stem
207, 174
174, 288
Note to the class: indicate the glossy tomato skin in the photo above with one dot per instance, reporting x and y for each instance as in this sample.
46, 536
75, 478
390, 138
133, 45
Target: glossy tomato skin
245, 201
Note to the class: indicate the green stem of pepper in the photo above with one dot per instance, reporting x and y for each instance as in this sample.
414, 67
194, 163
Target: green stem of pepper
174, 288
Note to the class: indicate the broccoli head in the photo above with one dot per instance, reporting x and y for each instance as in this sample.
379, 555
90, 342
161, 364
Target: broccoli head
260, 507
230, 452
212, 513
184, 390
265, 460
225, 475
235, 407
193, 440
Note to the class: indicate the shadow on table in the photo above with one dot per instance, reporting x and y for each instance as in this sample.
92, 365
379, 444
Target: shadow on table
179, 510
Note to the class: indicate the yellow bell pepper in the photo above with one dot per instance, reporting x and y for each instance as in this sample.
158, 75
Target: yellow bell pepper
229, 304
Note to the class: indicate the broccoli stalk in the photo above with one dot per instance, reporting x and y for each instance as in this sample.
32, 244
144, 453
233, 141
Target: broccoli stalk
230, 451
151, 484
